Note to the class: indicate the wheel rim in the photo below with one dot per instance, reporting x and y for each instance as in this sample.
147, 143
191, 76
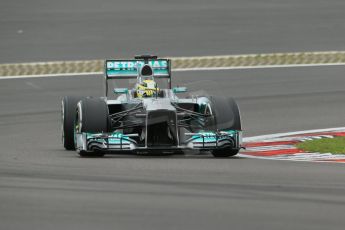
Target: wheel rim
77, 124
76, 128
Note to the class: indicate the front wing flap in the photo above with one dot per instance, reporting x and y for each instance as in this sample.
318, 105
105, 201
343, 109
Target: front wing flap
215, 140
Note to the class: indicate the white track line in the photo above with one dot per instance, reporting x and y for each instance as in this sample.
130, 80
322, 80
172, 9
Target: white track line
257, 67
51, 75
180, 70
276, 135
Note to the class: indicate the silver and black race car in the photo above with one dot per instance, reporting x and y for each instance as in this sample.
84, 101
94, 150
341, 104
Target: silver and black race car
145, 119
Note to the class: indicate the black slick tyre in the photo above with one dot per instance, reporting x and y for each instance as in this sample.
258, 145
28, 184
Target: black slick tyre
226, 152
92, 117
226, 117
68, 111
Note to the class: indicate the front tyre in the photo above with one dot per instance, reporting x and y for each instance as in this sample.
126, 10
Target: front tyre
226, 113
227, 117
91, 117
68, 111
227, 152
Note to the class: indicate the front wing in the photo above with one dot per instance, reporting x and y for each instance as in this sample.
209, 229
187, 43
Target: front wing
118, 142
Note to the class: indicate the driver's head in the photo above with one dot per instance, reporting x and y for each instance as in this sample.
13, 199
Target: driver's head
146, 70
146, 86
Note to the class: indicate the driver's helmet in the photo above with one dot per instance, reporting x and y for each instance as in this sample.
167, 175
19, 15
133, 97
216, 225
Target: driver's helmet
147, 88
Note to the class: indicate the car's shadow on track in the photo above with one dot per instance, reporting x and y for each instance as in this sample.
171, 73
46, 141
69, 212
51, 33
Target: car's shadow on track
128, 156
172, 156
71, 154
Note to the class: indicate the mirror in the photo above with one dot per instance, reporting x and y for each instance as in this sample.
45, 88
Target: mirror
180, 89
121, 90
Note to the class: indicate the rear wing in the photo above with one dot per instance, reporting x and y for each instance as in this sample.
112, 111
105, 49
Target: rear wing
127, 69
130, 68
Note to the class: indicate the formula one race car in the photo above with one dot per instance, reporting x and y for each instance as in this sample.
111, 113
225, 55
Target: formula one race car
146, 119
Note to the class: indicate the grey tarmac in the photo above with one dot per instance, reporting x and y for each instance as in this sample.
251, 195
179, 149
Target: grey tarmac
43, 186
45, 30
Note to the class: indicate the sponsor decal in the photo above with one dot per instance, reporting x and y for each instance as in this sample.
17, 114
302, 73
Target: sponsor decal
131, 64
129, 68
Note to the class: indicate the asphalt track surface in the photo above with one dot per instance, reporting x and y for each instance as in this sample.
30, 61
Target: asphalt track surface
41, 30
44, 187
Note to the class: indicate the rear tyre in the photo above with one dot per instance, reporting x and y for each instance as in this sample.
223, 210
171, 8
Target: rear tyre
226, 117
92, 117
68, 111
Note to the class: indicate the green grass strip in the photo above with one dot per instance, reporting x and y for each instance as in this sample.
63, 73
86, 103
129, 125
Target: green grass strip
334, 145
